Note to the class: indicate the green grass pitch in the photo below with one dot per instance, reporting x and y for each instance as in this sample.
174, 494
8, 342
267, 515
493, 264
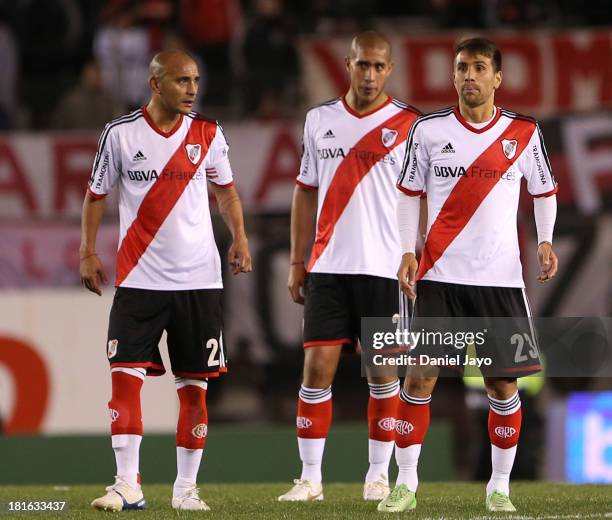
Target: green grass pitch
252, 501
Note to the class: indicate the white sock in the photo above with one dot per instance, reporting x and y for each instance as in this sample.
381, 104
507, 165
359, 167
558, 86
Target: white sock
379, 455
311, 455
127, 456
407, 460
187, 466
502, 461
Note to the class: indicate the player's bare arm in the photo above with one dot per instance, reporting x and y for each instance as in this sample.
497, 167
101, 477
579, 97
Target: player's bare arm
548, 261
90, 266
406, 274
303, 212
230, 208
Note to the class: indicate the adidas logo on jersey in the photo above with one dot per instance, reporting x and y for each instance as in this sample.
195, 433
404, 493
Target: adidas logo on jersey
139, 156
328, 135
448, 149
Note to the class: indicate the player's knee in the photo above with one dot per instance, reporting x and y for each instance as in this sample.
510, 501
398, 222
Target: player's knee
318, 373
421, 386
501, 388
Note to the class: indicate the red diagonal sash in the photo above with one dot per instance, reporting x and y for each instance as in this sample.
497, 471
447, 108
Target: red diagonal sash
350, 173
469, 192
159, 201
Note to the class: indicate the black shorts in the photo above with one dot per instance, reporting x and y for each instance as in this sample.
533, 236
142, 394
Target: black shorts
509, 343
192, 320
335, 303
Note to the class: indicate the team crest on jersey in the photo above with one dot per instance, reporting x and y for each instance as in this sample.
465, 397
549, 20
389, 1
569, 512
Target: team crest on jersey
388, 136
112, 348
193, 152
509, 147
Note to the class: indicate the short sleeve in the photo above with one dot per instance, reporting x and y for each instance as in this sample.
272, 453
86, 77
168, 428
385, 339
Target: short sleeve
218, 169
413, 177
107, 164
308, 177
536, 168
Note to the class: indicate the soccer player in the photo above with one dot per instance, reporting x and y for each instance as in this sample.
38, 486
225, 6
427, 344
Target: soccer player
353, 148
168, 268
470, 160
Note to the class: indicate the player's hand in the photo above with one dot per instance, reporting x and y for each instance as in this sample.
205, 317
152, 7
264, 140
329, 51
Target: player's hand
548, 262
297, 277
92, 274
406, 275
239, 256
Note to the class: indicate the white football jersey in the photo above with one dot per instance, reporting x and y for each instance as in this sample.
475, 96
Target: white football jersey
472, 177
166, 238
354, 160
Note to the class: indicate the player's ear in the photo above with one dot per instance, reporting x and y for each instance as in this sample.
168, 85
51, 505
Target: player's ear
154, 84
347, 63
498, 78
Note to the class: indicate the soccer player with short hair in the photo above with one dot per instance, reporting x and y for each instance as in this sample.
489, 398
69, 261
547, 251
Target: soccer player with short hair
470, 160
353, 151
168, 268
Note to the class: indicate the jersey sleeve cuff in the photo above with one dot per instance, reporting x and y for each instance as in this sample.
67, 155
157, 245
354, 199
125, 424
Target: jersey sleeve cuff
96, 196
547, 194
408, 192
306, 186
228, 185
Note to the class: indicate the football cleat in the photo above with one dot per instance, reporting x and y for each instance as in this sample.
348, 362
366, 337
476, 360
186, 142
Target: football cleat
498, 501
400, 499
190, 501
377, 490
303, 491
120, 497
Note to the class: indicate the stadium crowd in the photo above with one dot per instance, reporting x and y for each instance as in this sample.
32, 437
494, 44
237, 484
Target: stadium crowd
77, 64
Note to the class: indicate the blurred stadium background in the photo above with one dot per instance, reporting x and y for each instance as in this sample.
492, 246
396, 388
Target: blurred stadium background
69, 66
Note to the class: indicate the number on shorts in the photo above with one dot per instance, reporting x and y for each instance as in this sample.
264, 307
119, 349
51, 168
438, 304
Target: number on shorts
213, 344
519, 340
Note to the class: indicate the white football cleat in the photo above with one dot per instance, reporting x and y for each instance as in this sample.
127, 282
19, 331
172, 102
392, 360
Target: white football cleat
303, 491
377, 490
190, 501
120, 497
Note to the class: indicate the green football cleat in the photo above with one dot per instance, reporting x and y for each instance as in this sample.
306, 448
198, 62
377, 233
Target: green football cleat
400, 499
498, 501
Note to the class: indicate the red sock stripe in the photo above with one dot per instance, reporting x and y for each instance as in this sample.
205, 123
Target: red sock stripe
313, 420
381, 418
192, 426
411, 423
124, 406
504, 430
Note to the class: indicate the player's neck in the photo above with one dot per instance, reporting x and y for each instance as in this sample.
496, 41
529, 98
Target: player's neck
163, 119
362, 108
478, 114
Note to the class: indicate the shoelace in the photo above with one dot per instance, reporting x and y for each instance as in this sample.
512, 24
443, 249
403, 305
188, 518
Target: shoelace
499, 499
193, 493
379, 484
398, 492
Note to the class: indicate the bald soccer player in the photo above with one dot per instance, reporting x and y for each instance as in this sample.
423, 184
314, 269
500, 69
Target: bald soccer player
162, 158
353, 150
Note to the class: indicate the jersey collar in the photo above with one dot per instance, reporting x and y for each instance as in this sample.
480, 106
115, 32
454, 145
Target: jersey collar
461, 119
156, 128
357, 114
